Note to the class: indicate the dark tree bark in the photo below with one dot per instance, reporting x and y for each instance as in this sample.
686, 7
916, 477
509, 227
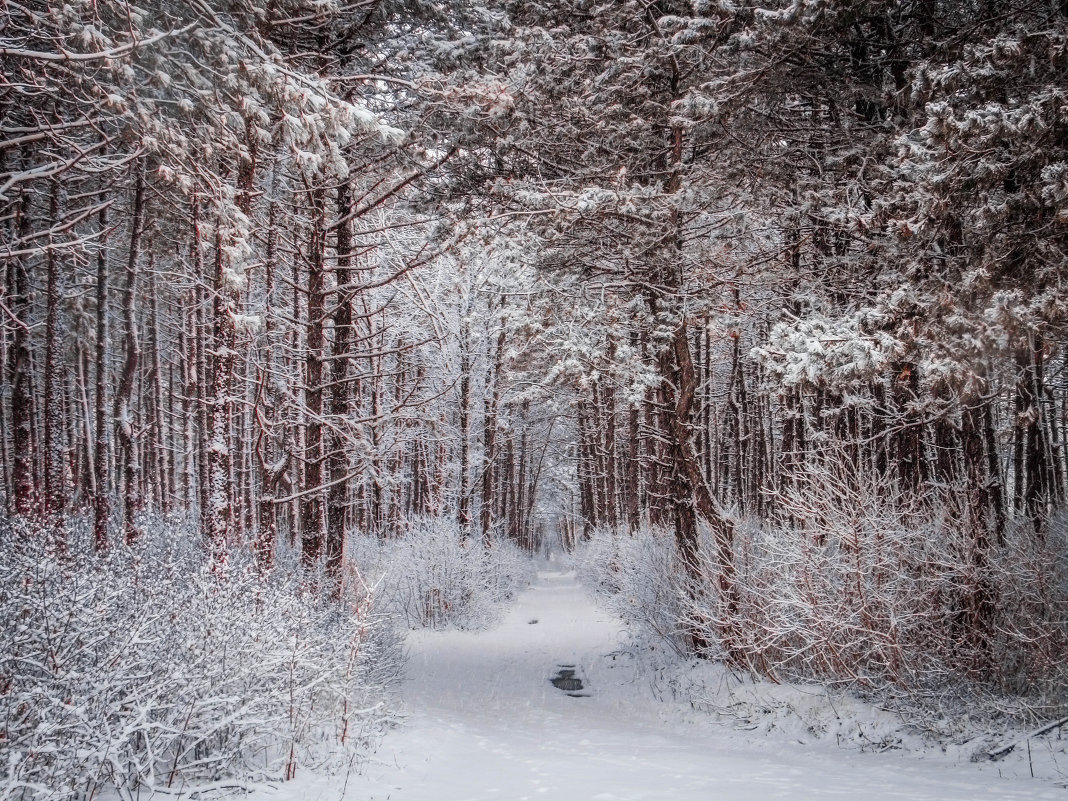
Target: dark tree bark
311, 507
123, 412
1034, 478
979, 604
341, 394
55, 490
912, 471
163, 488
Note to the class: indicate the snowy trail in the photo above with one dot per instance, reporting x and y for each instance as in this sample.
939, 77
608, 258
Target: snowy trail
485, 723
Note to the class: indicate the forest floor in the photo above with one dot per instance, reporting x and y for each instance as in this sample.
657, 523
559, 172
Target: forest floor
485, 722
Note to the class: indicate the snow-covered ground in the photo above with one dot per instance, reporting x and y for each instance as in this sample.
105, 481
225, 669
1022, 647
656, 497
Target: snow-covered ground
484, 722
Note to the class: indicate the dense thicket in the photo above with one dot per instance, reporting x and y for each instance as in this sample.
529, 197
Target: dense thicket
317, 270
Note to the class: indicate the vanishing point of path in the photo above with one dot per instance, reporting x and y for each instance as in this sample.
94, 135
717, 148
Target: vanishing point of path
485, 723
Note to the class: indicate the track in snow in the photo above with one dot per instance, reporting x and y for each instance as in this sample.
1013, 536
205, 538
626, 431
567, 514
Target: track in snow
485, 723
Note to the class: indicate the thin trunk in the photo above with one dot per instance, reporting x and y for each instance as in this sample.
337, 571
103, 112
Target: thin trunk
612, 504
84, 481
489, 428
25, 499
689, 492
587, 471
200, 342
463, 507
160, 432
979, 603
265, 412
907, 437
131, 357
633, 469
187, 393
1036, 465
994, 482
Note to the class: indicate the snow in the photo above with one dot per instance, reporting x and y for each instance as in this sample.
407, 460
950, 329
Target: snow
485, 723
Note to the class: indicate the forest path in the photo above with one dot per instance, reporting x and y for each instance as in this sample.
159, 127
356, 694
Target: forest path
484, 722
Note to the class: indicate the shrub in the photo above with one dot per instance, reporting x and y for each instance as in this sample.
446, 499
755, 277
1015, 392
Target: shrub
858, 587
432, 577
146, 669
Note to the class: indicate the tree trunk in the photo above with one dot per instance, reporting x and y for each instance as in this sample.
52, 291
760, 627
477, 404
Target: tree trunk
463, 506
24, 498
311, 509
55, 490
160, 429
912, 473
980, 602
341, 396
131, 496
690, 494
102, 498
220, 456
489, 428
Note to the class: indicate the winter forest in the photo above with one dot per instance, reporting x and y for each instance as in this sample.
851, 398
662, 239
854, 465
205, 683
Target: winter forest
323, 323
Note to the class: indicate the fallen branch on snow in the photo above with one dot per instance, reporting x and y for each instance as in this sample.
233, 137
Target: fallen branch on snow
994, 756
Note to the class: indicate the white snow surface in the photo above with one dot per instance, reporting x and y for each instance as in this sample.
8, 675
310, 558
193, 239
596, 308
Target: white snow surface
484, 722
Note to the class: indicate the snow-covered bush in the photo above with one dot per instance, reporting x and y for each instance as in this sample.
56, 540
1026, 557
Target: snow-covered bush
432, 577
859, 588
146, 670
638, 576
863, 587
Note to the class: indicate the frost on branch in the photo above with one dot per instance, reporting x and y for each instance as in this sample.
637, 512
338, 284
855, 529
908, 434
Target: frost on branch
433, 578
147, 672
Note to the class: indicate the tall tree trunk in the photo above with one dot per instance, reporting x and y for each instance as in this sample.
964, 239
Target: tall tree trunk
203, 370
489, 435
633, 469
220, 454
272, 469
1032, 447
341, 395
611, 470
81, 456
102, 498
912, 472
463, 506
980, 602
160, 428
311, 509
587, 472
131, 497
55, 490
689, 492
25, 500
